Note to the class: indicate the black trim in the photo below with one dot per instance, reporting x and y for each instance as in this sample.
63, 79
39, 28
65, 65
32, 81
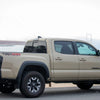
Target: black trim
75, 48
29, 63
1, 59
95, 68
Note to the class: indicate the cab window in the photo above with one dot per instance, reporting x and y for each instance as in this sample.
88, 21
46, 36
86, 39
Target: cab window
36, 47
85, 49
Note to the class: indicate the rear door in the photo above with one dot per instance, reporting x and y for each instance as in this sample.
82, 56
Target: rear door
66, 65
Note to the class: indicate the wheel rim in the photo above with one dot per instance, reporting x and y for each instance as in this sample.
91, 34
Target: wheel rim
33, 84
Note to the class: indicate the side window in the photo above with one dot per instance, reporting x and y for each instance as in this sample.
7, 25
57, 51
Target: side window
85, 49
64, 47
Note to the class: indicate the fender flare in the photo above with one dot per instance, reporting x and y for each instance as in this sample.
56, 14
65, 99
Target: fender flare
29, 63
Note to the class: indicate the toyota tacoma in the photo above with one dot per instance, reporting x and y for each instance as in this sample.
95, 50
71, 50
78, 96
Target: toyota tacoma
46, 60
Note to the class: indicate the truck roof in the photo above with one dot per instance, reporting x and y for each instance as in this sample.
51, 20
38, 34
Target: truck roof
43, 39
60, 39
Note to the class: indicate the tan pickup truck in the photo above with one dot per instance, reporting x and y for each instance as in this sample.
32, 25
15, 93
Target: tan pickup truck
49, 60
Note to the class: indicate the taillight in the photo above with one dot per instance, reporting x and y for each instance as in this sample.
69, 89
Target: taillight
10, 53
16, 54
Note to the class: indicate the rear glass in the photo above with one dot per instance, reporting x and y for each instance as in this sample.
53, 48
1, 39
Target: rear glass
35, 47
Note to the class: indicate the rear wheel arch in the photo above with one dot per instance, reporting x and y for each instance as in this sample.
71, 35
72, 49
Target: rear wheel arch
35, 66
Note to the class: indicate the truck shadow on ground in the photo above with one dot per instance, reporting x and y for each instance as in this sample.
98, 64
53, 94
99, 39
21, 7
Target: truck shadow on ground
55, 92
69, 91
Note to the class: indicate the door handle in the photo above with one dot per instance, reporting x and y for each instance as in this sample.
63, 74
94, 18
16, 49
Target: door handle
82, 59
58, 58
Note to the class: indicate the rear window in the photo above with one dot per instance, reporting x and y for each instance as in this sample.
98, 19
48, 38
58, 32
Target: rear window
35, 47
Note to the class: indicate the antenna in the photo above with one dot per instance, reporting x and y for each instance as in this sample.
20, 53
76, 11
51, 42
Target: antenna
39, 37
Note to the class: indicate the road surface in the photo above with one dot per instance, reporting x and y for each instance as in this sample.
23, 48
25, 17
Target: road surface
60, 93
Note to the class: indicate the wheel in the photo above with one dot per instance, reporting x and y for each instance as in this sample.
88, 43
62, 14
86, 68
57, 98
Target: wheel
32, 85
85, 86
7, 87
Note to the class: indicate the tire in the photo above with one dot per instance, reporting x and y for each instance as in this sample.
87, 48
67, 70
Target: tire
7, 87
32, 84
84, 86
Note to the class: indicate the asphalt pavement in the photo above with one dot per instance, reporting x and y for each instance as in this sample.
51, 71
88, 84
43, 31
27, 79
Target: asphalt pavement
60, 93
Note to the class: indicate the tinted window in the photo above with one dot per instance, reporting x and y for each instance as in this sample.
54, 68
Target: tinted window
36, 47
64, 47
85, 49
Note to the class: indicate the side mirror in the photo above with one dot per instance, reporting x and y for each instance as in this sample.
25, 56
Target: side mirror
98, 53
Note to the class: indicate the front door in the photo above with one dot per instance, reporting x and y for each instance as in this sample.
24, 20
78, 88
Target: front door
89, 61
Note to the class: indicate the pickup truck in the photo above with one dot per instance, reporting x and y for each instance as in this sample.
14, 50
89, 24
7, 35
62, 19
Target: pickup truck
46, 60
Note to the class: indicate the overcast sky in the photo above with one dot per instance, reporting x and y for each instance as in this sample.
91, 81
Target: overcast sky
26, 19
